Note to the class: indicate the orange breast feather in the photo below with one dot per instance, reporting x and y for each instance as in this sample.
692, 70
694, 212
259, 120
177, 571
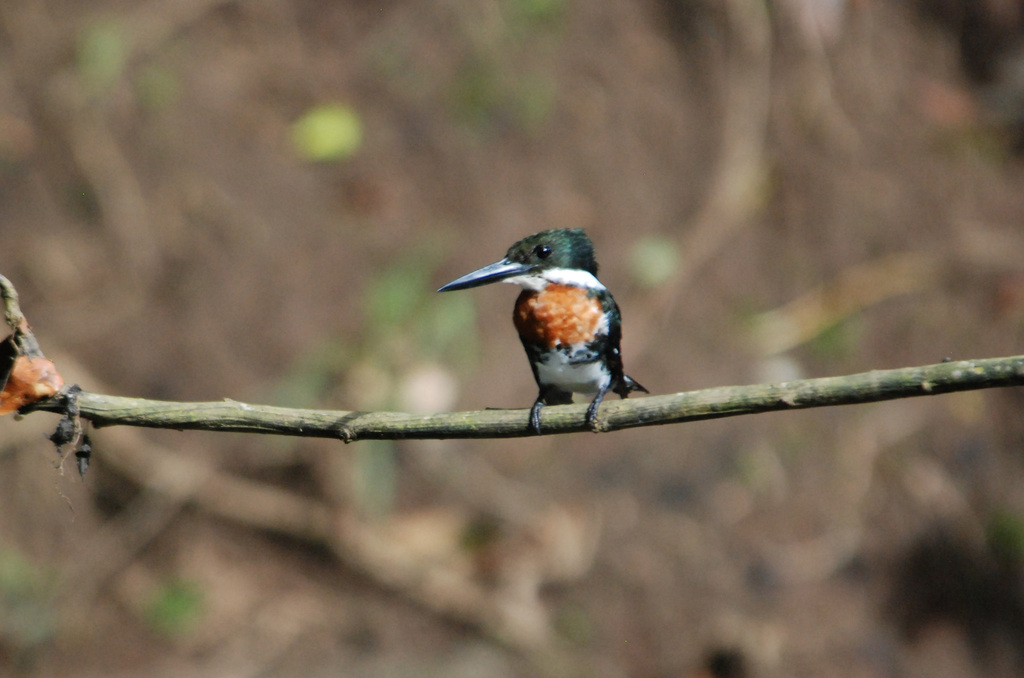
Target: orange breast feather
558, 315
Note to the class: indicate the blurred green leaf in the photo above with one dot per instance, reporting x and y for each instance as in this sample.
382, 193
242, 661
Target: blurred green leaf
839, 340
396, 296
176, 608
535, 101
477, 93
532, 22
17, 575
538, 12
1005, 536
407, 325
480, 533
157, 86
328, 133
26, 610
102, 53
450, 327
654, 260
575, 624
312, 373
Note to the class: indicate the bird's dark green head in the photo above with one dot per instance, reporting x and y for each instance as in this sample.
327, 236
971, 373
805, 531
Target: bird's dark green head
557, 248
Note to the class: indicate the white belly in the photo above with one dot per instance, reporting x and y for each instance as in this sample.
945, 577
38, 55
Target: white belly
557, 369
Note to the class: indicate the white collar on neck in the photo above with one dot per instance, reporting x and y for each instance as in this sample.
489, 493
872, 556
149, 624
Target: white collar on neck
560, 276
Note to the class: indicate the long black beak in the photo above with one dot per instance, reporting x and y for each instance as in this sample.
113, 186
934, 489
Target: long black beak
496, 272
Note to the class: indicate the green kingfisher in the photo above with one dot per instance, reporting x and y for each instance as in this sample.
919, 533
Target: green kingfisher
567, 320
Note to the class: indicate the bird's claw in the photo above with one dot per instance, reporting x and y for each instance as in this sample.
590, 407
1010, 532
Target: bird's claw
535, 417
591, 418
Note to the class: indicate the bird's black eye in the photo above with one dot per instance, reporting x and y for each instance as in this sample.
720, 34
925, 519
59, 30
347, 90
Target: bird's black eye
542, 251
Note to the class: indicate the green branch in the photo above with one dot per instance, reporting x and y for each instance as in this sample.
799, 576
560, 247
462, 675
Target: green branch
712, 403
729, 401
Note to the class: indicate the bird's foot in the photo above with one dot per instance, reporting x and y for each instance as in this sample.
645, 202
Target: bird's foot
591, 417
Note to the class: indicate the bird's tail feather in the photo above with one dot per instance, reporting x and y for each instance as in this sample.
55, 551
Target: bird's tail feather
629, 384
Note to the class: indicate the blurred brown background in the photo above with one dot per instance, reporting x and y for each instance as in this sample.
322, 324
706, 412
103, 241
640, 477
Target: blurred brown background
203, 199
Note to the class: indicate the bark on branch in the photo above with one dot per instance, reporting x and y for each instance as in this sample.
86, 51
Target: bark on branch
729, 401
713, 403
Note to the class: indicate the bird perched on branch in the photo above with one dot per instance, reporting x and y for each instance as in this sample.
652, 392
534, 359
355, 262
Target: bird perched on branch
567, 320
